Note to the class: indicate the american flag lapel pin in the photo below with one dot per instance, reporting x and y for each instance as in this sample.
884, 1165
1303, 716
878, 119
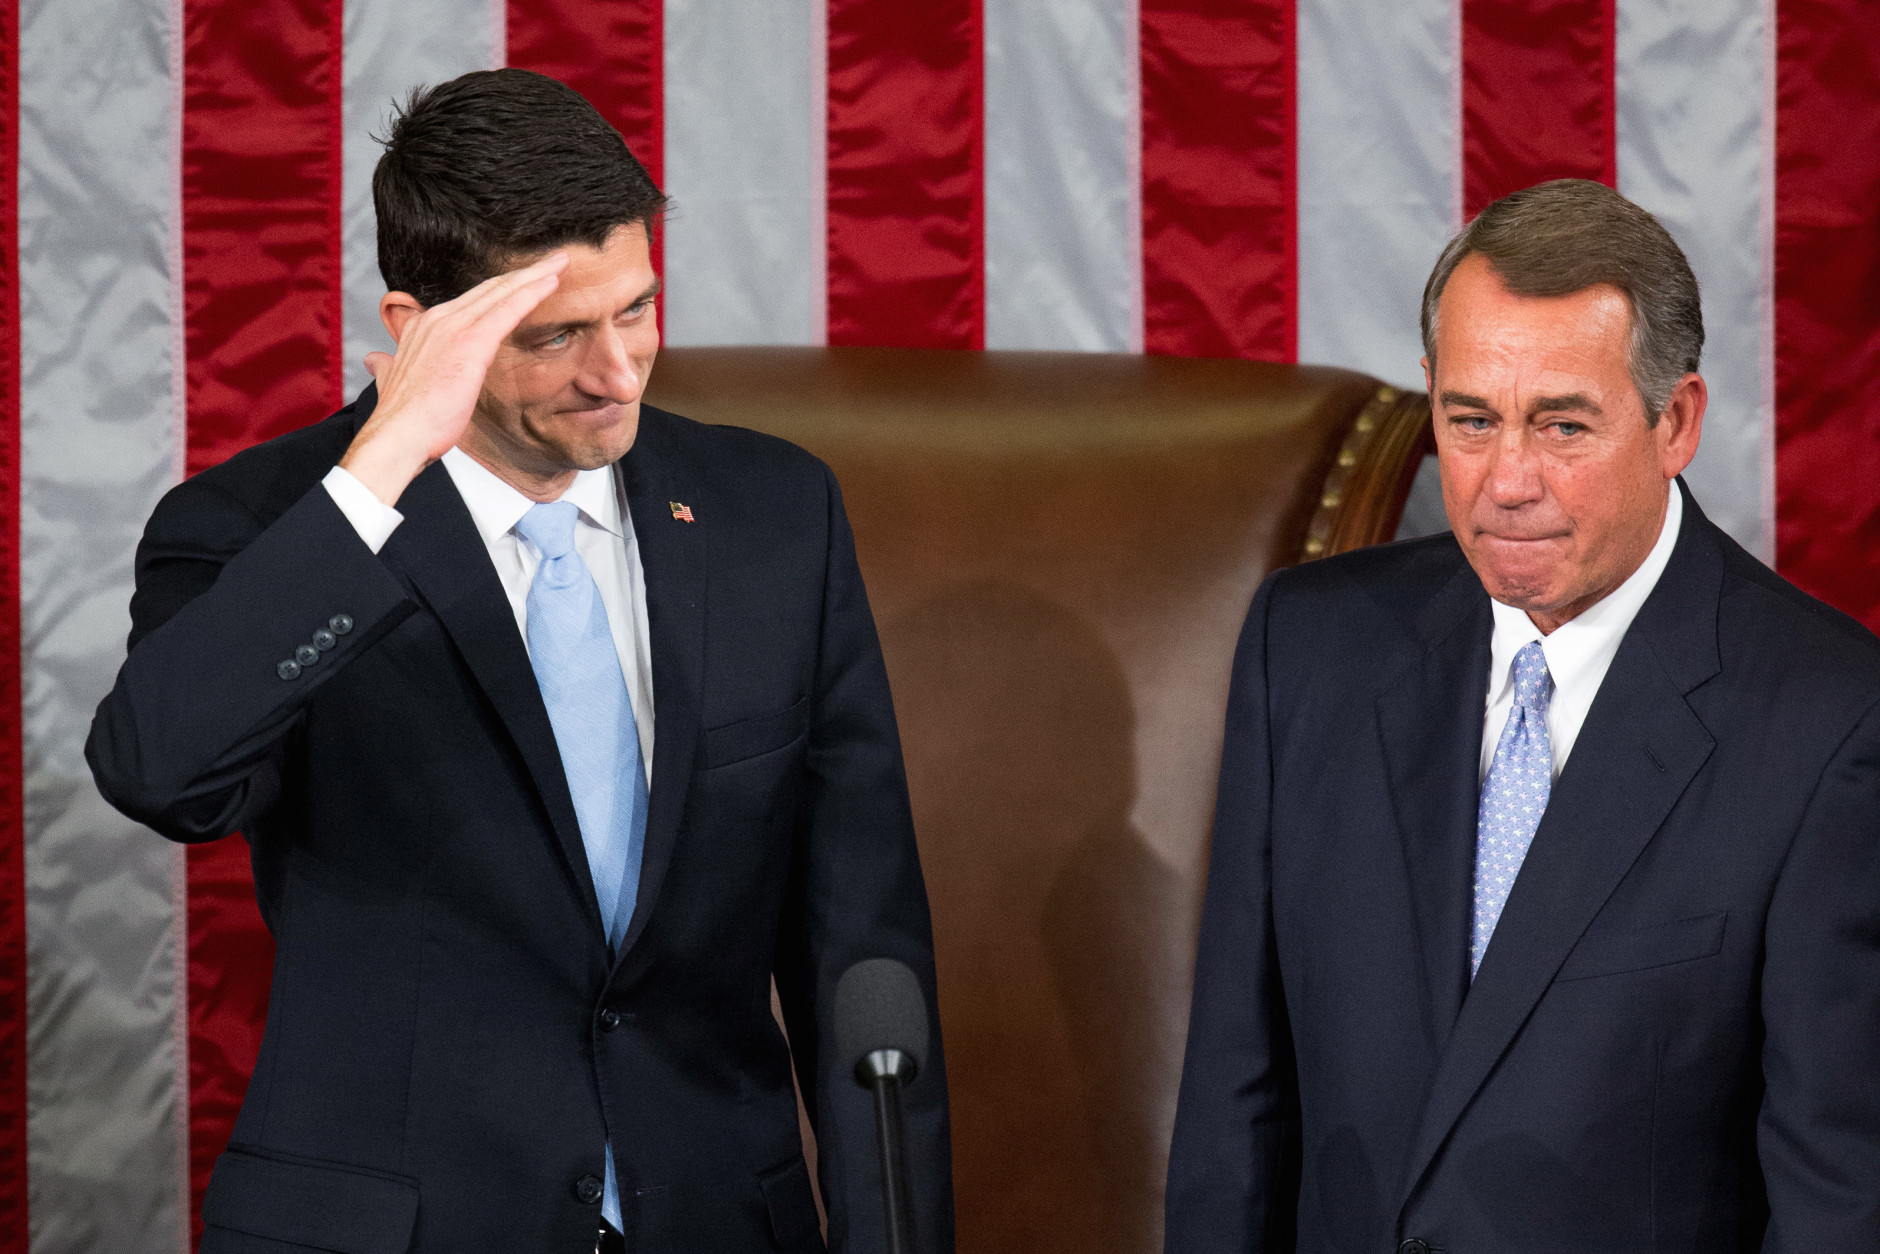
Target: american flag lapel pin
682, 513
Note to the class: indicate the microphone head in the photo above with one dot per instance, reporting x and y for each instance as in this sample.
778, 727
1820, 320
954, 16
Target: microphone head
879, 1006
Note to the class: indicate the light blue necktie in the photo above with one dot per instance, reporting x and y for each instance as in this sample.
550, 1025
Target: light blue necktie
1514, 796
578, 671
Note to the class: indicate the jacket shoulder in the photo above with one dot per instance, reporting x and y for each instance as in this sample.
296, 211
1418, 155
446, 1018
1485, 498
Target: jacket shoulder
1358, 619
1383, 584
1769, 622
267, 478
723, 448
765, 481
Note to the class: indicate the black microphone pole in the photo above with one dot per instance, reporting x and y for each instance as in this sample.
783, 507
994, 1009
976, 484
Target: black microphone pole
882, 1034
884, 1071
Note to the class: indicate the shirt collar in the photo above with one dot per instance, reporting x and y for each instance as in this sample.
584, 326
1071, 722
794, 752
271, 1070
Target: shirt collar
496, 507
1581, 648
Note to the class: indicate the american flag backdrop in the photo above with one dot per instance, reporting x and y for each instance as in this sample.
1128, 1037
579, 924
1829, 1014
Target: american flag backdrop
189, 267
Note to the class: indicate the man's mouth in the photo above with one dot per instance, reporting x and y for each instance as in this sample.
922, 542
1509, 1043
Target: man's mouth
596, 413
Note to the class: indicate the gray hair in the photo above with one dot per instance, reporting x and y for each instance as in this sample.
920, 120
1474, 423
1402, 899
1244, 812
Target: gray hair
1561, 237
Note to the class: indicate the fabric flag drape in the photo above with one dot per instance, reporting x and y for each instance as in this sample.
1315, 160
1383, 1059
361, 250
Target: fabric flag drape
189, 266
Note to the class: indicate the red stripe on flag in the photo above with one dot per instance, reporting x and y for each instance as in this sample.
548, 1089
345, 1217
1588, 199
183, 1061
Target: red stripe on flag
1827, 301
261, 219
1537, 95
261, 298
906, 174
612, 53
13, 1225
1220, 254
231, 967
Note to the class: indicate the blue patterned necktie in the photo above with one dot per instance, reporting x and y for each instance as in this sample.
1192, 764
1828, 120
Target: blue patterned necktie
1514, 796
577, 668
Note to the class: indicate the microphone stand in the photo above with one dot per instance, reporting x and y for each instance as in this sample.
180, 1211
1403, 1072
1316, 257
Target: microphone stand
885, 1072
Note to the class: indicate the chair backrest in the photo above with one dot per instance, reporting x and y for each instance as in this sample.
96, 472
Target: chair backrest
1060, 549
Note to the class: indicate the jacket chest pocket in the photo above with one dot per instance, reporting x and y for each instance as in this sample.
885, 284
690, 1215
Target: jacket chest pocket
1642, 948
749, 738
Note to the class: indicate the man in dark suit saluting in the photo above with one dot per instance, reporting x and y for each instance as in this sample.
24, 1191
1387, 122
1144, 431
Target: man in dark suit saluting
1544, 905
558, 727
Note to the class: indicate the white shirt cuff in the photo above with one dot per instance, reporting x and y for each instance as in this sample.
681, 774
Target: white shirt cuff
372, 518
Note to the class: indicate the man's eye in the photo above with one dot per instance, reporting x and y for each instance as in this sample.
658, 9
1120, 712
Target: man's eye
558, 341
1569, 428
1474, 422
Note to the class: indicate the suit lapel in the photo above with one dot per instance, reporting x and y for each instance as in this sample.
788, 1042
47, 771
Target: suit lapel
438, 550
1432, 744
673, 556
1639, 749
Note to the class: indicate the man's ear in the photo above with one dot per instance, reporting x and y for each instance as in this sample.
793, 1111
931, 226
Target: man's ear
1682, 423
1429, 381
396, 311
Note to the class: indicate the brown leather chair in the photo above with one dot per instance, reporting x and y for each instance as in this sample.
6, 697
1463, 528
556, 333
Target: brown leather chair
1060, 549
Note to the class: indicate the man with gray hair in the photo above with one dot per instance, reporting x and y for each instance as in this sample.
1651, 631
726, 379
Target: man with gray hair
1544, 904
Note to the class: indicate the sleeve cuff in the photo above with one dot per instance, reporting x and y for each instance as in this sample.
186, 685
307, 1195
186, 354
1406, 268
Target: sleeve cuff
372, 518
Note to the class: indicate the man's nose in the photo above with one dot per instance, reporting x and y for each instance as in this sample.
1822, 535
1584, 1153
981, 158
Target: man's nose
1514, 477
607, 370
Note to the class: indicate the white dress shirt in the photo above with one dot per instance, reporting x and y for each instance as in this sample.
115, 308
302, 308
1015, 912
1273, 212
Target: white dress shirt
603, 536
1578, 652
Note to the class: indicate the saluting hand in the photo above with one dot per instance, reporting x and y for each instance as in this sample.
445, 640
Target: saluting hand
428, 389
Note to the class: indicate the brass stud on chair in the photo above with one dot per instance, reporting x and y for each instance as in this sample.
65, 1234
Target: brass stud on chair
1353, 497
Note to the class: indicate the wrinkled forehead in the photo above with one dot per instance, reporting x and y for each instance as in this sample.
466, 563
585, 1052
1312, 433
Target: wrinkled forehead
1487, 332
599, 282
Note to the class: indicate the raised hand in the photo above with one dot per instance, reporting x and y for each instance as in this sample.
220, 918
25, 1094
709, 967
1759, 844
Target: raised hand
428, 389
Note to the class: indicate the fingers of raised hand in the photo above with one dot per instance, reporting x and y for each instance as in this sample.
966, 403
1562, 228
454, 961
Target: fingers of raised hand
512, 302
485, 296
481, 318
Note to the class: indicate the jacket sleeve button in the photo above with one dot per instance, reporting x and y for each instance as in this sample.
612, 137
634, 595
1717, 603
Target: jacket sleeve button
587, 1190
306, 655
290, 669
340, 623
324, 640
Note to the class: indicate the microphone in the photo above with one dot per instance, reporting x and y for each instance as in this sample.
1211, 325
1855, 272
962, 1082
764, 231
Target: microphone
881, 1036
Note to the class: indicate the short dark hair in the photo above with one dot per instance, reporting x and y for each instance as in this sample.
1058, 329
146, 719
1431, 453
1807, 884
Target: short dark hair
1564, 236
495, 166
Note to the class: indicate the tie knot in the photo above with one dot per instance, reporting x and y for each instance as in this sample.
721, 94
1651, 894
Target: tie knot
550, 528
1533, 683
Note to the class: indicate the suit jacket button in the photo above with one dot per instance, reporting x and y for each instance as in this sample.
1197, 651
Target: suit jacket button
306, 655
588, 1190
340, 623
1414, 1246
324, 640
290, 669
609, 1018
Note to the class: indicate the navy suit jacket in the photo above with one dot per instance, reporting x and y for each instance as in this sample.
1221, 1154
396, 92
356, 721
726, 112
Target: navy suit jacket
1673, 1043
449, 1040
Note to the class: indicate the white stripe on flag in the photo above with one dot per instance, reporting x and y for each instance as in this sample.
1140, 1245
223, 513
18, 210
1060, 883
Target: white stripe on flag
1693, 140
744, 132
1063, 230
1379, 192
391, 48
1380, 189
100, 441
